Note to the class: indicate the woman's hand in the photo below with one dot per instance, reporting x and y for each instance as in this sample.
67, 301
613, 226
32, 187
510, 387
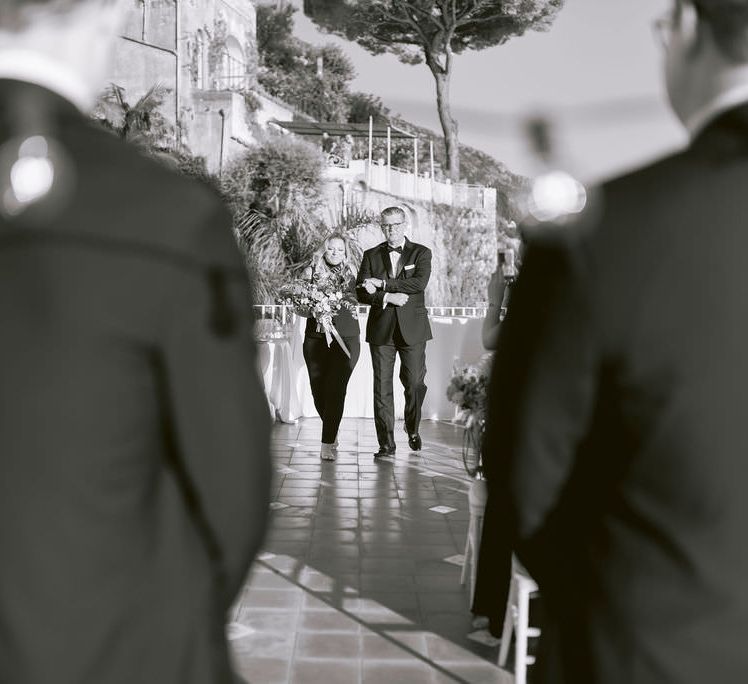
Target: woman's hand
496, 287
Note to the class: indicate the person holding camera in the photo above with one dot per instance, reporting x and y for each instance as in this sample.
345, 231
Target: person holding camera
499, 289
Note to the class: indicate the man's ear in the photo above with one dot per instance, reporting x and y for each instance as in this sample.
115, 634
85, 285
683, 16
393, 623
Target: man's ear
693, 32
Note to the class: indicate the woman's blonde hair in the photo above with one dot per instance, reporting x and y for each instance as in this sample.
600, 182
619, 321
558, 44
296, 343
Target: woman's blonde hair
318, 258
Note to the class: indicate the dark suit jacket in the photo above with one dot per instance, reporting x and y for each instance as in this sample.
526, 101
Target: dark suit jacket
618, 430
414, 271
133, 426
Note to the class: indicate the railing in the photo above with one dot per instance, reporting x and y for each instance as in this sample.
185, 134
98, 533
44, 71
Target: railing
284, 314
406, 184
233, 82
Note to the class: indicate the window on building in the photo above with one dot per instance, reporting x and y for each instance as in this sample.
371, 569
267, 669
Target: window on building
234, 66
198, 60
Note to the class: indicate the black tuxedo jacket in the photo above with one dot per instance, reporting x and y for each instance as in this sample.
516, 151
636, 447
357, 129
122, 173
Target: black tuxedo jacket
618, 428
134, 465
414, 271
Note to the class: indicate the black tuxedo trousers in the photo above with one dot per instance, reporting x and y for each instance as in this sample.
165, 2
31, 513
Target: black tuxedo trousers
329, 372
412, 376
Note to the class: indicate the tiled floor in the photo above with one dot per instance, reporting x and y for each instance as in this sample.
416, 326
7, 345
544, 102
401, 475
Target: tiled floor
353, 587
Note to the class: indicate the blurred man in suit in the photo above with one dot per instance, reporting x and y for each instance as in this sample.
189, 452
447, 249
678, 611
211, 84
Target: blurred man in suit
134, 464
617, 432
392, 280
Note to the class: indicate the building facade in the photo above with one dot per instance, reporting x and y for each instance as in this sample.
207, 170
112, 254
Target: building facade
203, 52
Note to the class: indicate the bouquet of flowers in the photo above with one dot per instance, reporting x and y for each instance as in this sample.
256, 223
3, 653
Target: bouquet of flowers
468, 388
322, 298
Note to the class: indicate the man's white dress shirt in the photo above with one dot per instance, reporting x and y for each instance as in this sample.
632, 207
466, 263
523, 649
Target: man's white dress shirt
395, 261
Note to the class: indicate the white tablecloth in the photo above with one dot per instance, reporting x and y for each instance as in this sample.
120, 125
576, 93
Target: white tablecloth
456, 340
279, 377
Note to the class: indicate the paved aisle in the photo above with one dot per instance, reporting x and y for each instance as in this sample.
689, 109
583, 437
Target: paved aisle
356, 584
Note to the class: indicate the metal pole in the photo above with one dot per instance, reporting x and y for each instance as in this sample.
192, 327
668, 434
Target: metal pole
222, 114
371, 135
389, 159
415, 167
178, 77
431, 154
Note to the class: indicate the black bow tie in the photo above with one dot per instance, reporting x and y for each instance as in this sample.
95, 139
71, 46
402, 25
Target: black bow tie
399, 250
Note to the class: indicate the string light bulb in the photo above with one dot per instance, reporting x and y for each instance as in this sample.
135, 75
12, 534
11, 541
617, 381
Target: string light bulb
35, 171
32, 174
555, 195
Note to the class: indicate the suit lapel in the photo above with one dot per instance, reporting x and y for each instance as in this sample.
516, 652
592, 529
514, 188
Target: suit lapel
407, 250
386, 261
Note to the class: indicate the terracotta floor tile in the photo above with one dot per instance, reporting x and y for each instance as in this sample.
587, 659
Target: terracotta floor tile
270, 621
386, 673
356, 589
334, 671
262, 670
393, 646
324, 621
342, 646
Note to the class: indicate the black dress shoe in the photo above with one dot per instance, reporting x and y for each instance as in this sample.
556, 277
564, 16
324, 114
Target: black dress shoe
384, 452
414, 442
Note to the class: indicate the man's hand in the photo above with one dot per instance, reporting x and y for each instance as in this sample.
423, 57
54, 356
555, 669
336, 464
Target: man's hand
397, 298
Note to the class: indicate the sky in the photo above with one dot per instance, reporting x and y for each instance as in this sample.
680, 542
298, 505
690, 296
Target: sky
596, 73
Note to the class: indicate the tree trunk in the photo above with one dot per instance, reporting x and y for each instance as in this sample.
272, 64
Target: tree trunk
449, 125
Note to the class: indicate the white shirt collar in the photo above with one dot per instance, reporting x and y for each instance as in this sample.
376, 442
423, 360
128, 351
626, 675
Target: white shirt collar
711, 110
34, 67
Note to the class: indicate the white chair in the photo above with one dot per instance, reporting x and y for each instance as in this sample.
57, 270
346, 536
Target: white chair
477, 496
517, 620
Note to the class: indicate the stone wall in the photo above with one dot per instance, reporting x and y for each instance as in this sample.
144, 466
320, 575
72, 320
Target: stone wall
464, 248
195, 68
138, 67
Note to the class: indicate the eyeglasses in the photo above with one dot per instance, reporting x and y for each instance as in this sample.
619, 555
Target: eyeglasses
385, 226
663, 29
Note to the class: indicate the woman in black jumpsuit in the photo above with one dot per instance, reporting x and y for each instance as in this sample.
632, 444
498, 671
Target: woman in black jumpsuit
329, 367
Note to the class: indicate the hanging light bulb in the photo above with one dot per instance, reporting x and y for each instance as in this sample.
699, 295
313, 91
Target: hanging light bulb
33, 169
555, 195
32, 174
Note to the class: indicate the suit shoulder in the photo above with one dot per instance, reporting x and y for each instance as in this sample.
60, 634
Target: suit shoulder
141, 199
657, 170
373, 249
619, 205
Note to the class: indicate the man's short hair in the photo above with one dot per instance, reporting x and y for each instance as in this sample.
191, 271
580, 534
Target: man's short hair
728, 20
391, 211
18, 14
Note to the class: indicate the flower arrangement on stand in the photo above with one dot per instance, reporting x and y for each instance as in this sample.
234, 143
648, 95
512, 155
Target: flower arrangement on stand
322, 298
468, 390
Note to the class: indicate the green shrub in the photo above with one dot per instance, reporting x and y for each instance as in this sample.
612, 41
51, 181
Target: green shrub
465, 248
275, 194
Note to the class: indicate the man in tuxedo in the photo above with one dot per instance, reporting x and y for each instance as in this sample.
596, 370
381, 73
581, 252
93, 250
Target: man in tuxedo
617, 433
392, 279
134, 455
